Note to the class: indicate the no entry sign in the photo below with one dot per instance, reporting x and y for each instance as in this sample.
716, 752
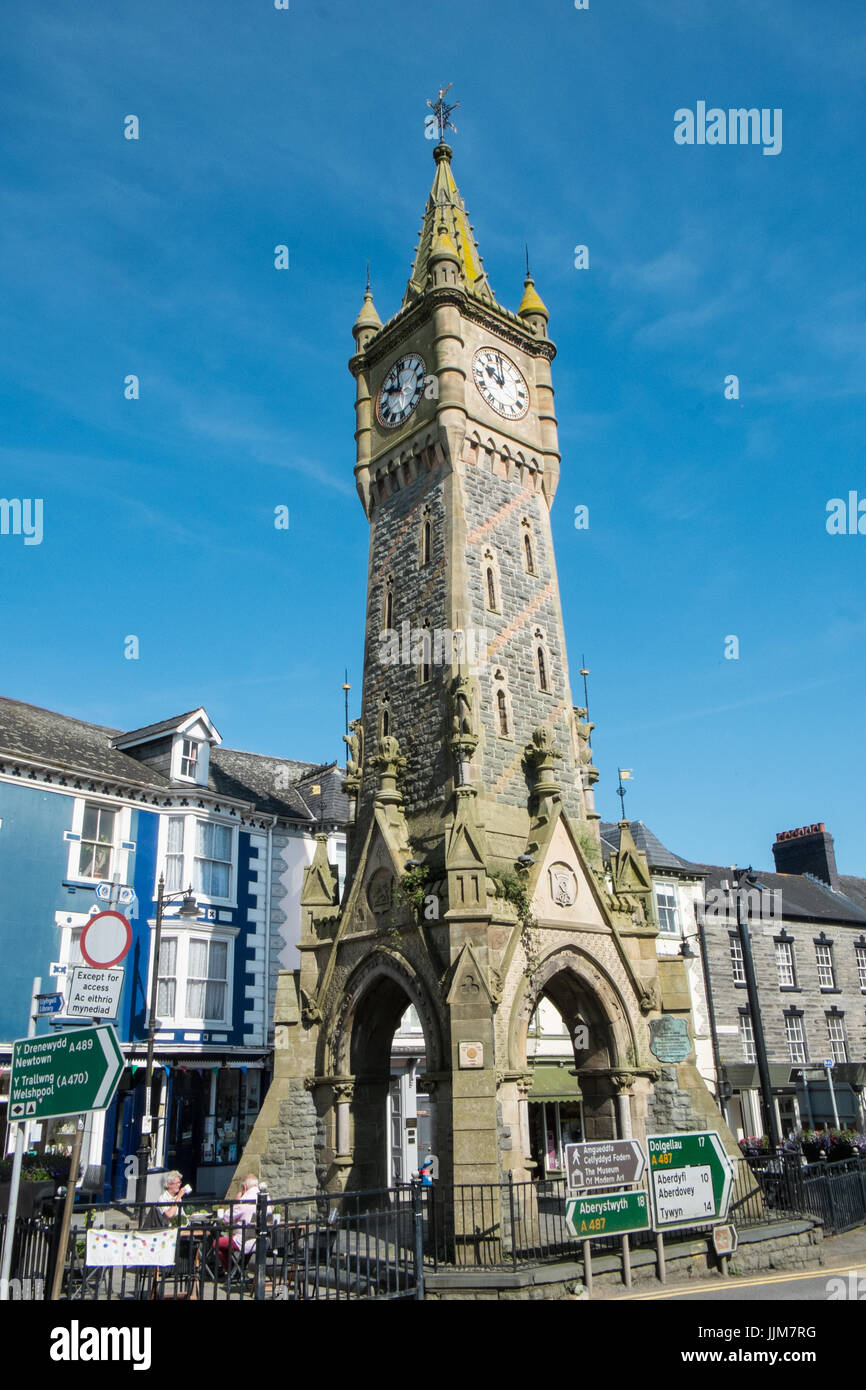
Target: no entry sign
105, 939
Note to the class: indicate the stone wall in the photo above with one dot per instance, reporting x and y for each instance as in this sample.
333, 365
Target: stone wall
293, 1156
671, 1110
495, 509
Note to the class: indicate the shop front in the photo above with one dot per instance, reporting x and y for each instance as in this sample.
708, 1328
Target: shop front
555, 1116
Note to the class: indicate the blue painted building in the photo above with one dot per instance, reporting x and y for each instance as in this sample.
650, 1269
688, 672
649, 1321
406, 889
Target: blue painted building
82, 805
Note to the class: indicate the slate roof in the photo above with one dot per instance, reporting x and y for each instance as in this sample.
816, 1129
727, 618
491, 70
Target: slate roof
854, 888
275, 786
658, 856
164, 726
803, 896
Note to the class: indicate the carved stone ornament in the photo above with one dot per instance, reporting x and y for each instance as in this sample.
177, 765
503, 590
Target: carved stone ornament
563, 885
648, 999
310, 1011
622, 1081
380, 891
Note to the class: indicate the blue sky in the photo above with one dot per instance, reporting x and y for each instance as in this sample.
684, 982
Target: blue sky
305, 127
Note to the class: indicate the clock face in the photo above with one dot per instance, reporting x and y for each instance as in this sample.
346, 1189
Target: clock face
500, 383
401, 390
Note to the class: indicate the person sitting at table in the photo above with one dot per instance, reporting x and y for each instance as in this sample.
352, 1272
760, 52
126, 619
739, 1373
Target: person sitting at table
170, 1207
167, 1211
246, 1199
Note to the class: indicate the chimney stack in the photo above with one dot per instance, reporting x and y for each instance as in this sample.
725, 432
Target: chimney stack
807, 850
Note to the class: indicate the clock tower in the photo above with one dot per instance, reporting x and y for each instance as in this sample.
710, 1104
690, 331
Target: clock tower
475, 885
457, 466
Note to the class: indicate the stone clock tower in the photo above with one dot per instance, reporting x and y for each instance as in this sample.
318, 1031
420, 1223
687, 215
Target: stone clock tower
475, 883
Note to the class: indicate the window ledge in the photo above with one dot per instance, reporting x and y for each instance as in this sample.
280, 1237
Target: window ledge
832, 989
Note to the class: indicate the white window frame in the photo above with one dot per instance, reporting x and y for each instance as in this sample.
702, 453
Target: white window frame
860, 958
184, 932
824, 962
202, 761
669, 889
785, 964
738, 965
747, 1036
189, 855
837, 1041
795, 1037
118, 858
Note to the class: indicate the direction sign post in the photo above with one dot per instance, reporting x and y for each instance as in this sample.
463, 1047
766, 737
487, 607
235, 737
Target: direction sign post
49, 1004
691, 1177
64, 1074
613, 1214
604, 1163
15, 1180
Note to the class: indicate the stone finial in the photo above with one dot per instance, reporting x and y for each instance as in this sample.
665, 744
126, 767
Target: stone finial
541, 754
390, 764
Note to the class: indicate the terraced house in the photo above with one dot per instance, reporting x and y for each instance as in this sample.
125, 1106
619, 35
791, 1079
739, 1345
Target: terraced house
82, 805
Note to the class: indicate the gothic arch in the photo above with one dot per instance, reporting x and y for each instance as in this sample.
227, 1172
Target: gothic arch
374, 998
574, 981
356, 1052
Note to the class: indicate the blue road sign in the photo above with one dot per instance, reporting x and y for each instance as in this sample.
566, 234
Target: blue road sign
49, 1004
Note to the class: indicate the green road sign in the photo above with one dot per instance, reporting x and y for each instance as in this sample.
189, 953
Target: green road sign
64, 1074
691, 1178
614, 1214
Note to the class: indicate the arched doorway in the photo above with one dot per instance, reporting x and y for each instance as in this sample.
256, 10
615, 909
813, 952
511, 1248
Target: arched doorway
385, 1038
571, 1037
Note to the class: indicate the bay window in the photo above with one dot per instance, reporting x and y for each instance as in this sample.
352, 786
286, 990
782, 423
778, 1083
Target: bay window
195, 973
200, 853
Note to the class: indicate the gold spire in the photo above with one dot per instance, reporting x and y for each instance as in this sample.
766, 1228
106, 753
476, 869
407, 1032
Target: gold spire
367, 318
532, 303
446, 230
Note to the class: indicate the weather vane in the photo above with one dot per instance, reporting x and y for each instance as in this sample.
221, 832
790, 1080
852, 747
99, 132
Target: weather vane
442, 111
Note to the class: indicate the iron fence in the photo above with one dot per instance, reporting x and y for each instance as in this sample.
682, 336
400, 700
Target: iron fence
329, 1247
519, 1223
832, 1193
374, 1245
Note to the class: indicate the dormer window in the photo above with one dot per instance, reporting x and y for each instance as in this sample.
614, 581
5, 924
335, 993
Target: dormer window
177, 748
189, 759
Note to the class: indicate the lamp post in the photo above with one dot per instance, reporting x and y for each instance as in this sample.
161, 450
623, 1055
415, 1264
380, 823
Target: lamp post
189, 908
723, 1086
767, 1106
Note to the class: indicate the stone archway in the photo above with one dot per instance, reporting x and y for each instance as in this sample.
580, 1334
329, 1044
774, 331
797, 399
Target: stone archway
357, 1056
586, 998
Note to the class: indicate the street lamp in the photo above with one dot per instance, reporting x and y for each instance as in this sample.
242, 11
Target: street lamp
724, 1090
189, 908
767, 1106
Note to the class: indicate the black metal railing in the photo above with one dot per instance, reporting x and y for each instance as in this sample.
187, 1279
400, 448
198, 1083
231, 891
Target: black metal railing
370, 1245
332, 1246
